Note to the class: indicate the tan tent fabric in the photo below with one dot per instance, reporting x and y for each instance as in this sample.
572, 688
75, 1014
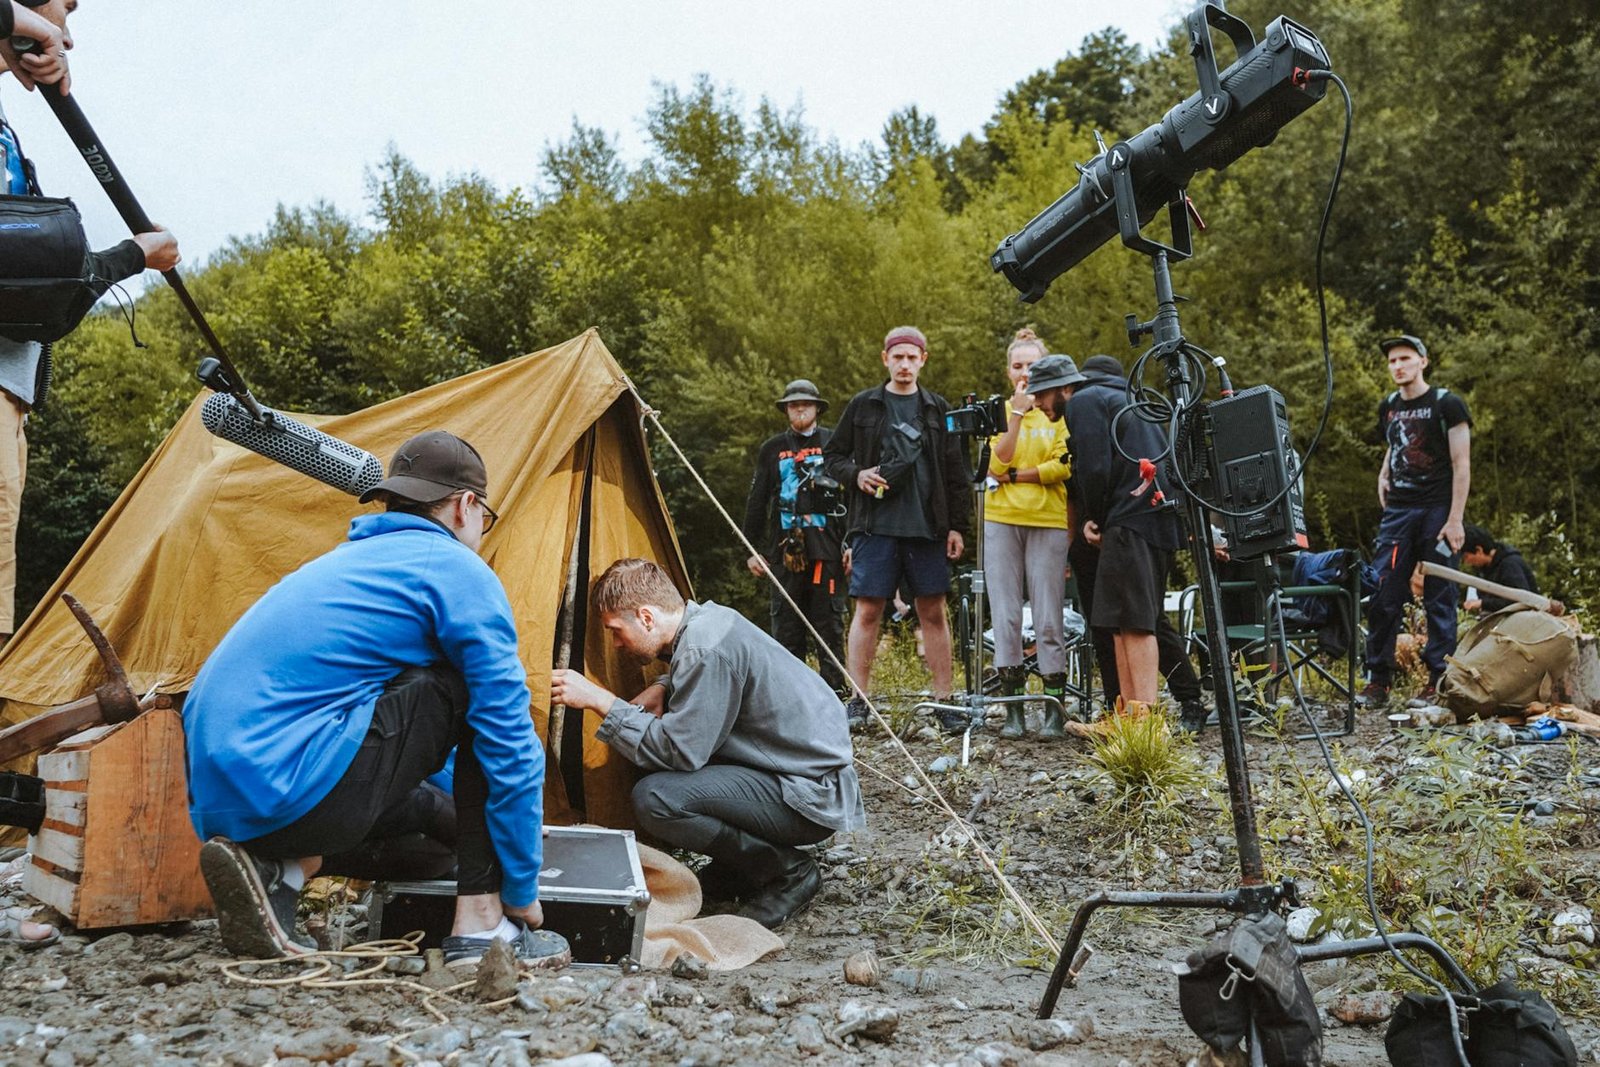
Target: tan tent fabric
206, 527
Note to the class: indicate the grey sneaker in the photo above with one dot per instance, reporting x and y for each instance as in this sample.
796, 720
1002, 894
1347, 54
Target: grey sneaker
855, 713
542, 950
255, 909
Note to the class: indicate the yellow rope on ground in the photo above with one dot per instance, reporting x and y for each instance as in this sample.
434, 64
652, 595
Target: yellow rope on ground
324, 963
984, 855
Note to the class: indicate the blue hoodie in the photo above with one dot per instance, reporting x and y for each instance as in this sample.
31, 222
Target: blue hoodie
279, 710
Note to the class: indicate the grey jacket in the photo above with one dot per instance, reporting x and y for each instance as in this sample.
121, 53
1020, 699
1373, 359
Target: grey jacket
734, 695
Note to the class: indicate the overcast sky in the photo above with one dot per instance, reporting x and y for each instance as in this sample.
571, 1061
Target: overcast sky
217, 110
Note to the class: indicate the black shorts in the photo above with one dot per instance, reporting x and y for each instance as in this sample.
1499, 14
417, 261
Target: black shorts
1131, 582
880, 564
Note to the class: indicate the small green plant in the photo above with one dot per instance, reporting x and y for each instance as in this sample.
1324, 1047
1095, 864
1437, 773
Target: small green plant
1151, 775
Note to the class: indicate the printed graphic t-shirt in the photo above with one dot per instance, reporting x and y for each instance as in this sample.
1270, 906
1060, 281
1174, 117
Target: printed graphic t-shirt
1419, 448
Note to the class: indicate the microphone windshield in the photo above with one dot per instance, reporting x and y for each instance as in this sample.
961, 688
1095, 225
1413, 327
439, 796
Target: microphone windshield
293, 444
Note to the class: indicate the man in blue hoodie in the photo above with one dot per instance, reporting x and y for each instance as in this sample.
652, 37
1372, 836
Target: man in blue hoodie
313, 725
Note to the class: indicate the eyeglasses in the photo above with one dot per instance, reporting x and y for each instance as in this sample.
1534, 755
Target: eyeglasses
490, 517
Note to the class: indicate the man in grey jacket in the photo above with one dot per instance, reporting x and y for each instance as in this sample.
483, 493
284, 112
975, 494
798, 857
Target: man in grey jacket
747, 749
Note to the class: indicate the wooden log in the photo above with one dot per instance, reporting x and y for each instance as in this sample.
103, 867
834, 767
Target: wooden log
50, 727
1520, 596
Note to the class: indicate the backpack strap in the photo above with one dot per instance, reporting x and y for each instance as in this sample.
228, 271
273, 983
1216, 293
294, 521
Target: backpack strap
30, 174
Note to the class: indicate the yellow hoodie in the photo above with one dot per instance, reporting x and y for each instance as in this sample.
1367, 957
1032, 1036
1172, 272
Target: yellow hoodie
1043, 444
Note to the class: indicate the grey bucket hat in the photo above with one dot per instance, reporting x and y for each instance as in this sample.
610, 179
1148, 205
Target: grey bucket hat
802, 389
1050, 372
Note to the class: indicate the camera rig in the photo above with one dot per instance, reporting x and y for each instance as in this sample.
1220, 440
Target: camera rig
977, 418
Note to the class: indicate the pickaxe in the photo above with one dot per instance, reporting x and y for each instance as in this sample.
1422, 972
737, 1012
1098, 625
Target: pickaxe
112, 702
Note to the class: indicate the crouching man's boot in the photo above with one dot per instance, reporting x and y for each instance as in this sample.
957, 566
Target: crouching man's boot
1013, 682
785, 878
1054, 728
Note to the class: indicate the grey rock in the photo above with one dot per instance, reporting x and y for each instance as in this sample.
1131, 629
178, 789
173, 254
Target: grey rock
405, 965
627, 1024
12, 1028
262, 997
806, 1033
999, 1054
859, 1020
1363, 1009
436, 1042
322, 1045
117, 942
60, 1057
690, 967
497, 973
1042, 1034
587, 1059
674, 994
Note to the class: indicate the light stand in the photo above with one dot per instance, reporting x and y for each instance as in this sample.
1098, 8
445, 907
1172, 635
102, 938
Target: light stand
1254, 894
975, 701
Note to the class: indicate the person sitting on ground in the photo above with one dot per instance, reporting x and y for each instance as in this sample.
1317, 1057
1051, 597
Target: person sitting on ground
747, 749
1497, 562
312, 726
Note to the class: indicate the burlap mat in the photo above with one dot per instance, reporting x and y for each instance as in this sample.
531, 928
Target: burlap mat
671, 929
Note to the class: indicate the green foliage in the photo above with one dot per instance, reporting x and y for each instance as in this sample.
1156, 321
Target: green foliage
1458, 857
742, 252
1151, 776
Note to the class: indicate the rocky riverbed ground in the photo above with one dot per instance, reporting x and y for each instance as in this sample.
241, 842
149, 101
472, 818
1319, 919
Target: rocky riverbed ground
1484, 846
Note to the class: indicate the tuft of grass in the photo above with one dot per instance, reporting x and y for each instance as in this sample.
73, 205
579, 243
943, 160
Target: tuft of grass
1150, 774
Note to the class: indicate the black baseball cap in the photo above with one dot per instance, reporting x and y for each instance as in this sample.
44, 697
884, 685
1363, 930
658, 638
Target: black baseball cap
1404, 339
1103, 365
431, 466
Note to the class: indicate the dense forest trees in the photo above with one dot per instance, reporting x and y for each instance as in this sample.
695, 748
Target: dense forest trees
743, 252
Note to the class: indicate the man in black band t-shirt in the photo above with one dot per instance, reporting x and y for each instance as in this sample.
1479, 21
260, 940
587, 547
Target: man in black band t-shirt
1422, 488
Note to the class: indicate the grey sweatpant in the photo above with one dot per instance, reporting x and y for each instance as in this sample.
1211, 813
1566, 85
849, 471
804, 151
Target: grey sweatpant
1031, 560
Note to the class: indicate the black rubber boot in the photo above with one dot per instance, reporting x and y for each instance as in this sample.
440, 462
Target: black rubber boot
786, 878
1013, 682
1192, 715
1055, 718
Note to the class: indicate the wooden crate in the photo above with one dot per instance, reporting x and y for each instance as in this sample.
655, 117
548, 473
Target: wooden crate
117, 847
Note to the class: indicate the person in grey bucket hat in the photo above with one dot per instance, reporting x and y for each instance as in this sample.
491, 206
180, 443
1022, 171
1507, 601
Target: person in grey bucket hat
796, 537
800, 391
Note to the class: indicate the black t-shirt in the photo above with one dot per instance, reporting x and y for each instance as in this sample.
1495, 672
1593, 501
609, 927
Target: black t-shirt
1419, 448
905, 462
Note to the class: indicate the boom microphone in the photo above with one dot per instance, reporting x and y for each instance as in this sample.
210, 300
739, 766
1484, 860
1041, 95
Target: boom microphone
1242, 108
293, 444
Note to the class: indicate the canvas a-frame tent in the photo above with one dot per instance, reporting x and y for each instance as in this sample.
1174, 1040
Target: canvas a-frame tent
206, 527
